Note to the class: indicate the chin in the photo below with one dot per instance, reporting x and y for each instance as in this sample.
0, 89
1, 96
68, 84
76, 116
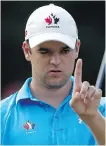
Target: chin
55, 84
51, 86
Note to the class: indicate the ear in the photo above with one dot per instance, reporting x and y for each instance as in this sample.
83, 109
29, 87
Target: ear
26, 50
77, 47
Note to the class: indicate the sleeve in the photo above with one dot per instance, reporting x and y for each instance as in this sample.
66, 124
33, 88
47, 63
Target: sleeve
5, 107
102, 109
102, 106
2, 121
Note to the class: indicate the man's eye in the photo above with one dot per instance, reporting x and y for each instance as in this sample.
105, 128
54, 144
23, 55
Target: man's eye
43, 51
65, 51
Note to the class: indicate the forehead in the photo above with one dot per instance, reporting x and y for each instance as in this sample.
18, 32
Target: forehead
52, 44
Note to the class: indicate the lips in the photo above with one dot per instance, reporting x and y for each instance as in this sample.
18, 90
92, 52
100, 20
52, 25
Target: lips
55, 71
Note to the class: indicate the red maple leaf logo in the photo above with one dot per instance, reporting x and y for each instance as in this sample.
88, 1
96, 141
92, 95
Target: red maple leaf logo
48, 20
26, 126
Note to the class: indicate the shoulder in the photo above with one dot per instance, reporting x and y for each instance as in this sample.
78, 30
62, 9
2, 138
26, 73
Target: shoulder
6, 105
8, 101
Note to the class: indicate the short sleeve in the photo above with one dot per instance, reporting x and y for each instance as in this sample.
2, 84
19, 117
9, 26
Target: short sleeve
102, 106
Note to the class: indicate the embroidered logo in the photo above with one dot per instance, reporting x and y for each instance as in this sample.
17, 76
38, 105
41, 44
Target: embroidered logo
48, 20
52, 21
29, 126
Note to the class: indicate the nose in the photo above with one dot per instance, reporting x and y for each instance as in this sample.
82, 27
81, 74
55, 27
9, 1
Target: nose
55, 59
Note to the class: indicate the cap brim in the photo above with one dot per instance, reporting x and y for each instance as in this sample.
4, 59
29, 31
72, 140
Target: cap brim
41, 38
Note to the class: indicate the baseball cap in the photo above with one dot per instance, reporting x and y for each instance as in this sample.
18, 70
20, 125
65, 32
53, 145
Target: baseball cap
51, 22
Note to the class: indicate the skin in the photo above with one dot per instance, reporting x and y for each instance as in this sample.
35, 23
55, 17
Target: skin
85, 101
54, 87
57, 86
54, 57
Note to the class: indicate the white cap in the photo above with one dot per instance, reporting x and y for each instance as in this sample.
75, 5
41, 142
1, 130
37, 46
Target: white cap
51, 22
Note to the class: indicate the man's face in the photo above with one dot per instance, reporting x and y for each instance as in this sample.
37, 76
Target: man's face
52, 64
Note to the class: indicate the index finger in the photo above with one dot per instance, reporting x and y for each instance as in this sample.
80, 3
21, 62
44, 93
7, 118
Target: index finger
78, 76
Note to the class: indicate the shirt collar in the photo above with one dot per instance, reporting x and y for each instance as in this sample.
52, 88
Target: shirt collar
25, 92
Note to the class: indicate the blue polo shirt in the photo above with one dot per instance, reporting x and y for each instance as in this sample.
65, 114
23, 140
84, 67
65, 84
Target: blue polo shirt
25, 120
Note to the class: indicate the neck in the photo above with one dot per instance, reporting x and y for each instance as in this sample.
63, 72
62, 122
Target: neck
51, 96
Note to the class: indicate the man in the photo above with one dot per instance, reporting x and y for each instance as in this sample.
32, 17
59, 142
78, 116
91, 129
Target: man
53, 107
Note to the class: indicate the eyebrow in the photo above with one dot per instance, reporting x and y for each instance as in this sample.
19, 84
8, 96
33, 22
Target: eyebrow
43, 48
65, 47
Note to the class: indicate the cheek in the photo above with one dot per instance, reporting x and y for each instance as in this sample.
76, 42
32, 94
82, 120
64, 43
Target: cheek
73, 55
70, 58
69, 62
39, 63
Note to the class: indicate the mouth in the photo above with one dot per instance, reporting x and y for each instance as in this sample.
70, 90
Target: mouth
55, 71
